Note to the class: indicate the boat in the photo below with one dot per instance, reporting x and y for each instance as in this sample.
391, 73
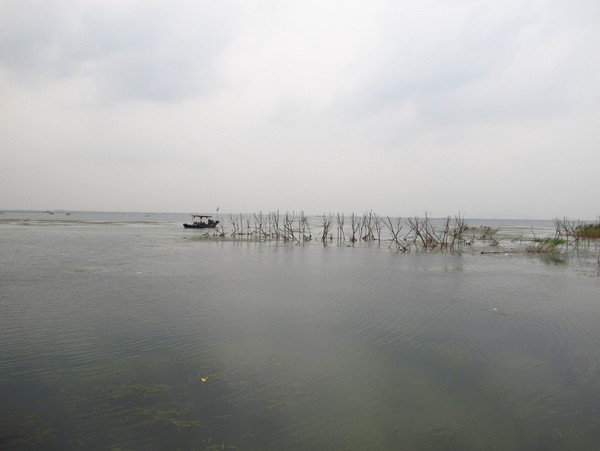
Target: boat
201, 222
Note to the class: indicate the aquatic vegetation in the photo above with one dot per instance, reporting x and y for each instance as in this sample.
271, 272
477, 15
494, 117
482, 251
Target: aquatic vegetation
208, 445
136, 391
26, 432
79, 445
395, 227
159, 411
76, 445
165, 418
554, 258
19, 431
482, 232
587, 231
576, 230
545, 245
403, 235
119, 446
40, 437
292, 227
327, 224
428, 237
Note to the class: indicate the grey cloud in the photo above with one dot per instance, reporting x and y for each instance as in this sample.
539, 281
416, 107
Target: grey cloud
137, 54
302, 105
481, 66
30, 37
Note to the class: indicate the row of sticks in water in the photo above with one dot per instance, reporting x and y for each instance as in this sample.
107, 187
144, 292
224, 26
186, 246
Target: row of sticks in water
369, 227
422, 233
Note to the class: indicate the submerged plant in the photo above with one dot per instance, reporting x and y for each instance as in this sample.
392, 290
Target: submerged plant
39, 438
136, 391
25, 433
165, 418
208, 445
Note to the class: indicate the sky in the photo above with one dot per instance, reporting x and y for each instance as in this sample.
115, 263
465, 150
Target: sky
490, 109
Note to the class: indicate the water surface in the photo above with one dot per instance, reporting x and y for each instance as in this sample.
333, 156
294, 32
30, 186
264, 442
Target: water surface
108, 325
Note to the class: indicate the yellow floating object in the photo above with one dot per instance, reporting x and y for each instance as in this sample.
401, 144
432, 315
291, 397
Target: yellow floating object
204, 379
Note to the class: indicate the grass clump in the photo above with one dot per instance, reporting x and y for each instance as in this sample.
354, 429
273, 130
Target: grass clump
545, 245
587, 231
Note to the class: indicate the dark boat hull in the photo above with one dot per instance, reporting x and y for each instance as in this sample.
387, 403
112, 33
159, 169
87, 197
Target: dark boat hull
200, 226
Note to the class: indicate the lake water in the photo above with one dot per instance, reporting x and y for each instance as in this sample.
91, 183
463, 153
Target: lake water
110, 322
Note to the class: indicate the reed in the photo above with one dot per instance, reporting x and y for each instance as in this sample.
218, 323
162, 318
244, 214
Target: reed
545, 245
588, 231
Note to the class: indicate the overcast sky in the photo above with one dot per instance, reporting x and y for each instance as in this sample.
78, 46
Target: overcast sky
487, 108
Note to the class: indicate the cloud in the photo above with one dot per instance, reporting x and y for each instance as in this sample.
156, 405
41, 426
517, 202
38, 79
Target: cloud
314, 105
130, 50
466, 61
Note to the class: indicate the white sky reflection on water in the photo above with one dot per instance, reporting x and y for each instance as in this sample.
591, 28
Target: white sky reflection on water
486, 108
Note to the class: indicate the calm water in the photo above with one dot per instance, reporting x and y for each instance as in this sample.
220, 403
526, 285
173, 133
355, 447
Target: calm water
108, 323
